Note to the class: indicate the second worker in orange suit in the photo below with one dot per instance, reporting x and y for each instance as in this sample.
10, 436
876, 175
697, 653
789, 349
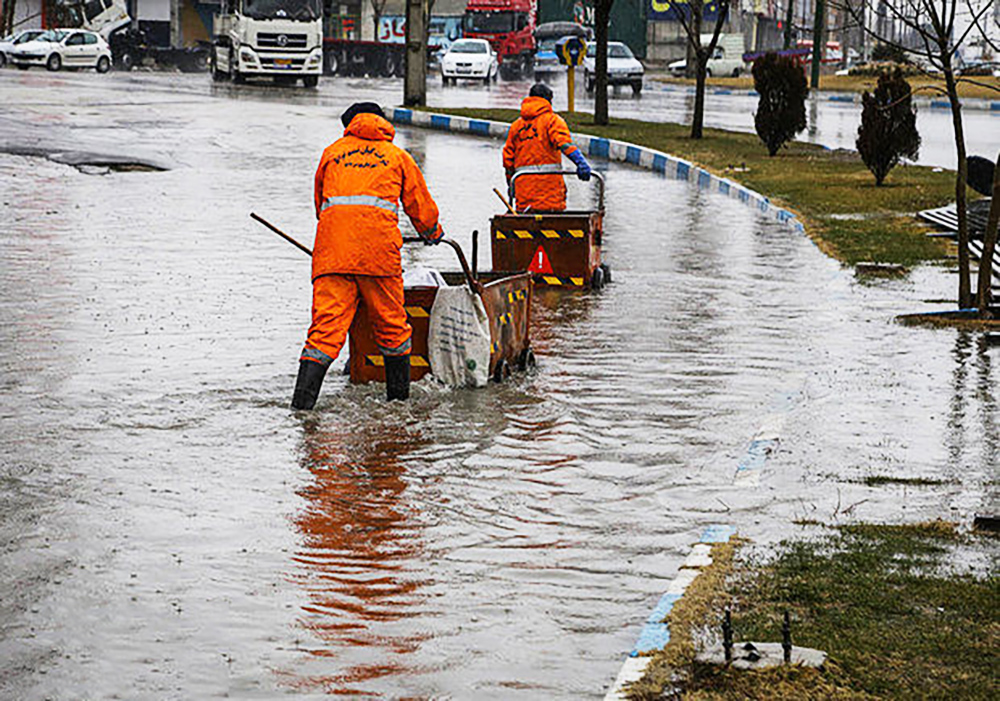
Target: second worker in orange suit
536, 143
361, 180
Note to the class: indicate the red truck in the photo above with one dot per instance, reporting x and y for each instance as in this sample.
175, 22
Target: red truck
509, 26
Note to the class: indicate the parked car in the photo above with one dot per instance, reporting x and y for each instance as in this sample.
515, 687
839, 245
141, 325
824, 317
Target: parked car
623, 67
472, 59
8, 43
64, 48
726, 60
546, 37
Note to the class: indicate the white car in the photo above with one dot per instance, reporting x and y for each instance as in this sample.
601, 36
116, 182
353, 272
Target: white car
8, 43
472, 59
623, 67
726, 60
64, 48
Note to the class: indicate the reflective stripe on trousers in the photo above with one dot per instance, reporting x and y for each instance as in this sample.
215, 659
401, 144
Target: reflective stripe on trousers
360, 200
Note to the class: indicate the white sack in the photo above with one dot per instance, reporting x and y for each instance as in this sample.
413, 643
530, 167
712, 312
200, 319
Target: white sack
459, 338
423, 277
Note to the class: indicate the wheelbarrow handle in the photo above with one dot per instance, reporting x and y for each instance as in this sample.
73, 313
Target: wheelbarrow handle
473, 283
599, 180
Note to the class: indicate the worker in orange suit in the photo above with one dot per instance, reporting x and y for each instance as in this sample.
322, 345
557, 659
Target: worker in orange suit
536, 142
359, 184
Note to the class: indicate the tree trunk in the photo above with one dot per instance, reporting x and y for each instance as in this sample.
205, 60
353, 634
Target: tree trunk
602, 17
985, 296
698, 118
964, 284
819, 42
789, 18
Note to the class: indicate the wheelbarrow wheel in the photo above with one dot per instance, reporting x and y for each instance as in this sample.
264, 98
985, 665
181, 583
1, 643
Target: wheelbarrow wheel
597, 280
527, 362
501, 373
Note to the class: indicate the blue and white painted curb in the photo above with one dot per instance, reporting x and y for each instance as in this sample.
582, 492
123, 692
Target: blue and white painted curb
656, 633
973, 103
610, 149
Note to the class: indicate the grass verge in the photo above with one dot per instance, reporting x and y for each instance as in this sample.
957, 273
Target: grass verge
984, 87
833, 193
897, 614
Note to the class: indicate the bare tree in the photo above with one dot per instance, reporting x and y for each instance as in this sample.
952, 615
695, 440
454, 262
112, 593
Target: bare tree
985, 291
377, 7
690, 20
602, 18
7, 17
933, 38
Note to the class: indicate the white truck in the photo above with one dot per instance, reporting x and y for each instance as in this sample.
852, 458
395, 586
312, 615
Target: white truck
278, 39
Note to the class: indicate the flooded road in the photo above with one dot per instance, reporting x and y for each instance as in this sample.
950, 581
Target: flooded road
168, 529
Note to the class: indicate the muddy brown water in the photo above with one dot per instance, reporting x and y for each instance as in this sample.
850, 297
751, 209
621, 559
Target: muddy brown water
168, 529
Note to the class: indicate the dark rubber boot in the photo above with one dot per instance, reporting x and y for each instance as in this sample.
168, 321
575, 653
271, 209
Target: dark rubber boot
307, 384
397, 377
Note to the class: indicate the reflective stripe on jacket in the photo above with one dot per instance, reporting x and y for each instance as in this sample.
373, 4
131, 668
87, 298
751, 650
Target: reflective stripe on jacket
360, 181
538, 137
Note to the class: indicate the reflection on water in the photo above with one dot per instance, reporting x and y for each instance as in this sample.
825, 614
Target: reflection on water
360, 544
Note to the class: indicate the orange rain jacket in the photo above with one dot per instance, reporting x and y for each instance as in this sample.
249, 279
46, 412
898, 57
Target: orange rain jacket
538, 138
360, 180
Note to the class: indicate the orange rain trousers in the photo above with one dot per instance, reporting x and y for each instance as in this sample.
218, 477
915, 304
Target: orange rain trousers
335, 300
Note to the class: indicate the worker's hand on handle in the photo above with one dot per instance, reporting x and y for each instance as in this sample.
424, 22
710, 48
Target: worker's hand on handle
434, 236
582, 167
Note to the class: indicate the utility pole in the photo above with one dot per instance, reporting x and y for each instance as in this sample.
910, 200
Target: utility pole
176, 37
415, 80
819, 42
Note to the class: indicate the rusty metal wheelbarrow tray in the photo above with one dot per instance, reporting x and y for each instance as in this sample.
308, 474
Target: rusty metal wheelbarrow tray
561, 249
506, 298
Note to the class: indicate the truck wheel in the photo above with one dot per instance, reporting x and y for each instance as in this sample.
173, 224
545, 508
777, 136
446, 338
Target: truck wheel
54, 63
310, 81
444, 80
607, 274
388, 68
736, 72
588, 83
637, 88
3, 59
127, 61
331, 62
103, 64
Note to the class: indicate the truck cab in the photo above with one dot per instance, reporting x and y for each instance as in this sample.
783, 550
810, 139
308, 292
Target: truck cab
509, 26
277, 39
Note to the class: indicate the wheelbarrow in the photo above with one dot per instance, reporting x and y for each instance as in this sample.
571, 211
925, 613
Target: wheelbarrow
560, 249
506, 298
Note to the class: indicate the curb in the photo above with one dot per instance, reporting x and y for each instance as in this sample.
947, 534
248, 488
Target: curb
613, 150
656, 634
973, 103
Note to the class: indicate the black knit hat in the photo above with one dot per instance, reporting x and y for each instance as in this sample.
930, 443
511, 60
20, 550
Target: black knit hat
360, 108
541, 90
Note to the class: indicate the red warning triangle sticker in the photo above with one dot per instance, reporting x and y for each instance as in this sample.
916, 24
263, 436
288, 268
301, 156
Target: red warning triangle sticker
540, 263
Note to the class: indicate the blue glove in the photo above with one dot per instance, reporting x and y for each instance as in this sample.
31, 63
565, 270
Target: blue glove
434, 236
582, 167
